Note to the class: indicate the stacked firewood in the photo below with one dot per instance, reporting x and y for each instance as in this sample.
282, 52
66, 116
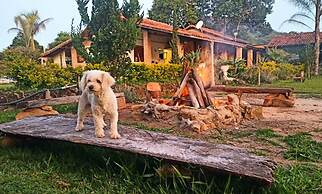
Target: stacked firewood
191, 92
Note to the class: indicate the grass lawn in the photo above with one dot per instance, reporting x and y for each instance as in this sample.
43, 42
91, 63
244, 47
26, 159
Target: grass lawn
6, 87
39, 166
311, 87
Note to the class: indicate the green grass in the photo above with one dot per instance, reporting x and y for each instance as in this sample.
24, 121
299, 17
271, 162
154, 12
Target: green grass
7, 87
68, 108
312, 86
299, 178
7, 116
266, 133
303, 148
57, 167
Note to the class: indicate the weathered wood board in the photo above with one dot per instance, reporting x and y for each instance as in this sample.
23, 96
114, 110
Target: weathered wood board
229, 89
222, 158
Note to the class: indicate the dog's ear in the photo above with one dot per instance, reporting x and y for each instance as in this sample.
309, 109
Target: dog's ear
82, 83
108, 80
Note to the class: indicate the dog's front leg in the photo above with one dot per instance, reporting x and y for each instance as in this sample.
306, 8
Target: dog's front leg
83, 109
98, 122
114, 133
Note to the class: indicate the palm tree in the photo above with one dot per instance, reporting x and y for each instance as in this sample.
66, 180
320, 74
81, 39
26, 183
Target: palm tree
29, 24
307, 6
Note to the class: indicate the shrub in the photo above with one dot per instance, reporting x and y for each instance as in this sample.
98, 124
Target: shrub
270, 71
142, 73
280, 71
277, 55
22, 66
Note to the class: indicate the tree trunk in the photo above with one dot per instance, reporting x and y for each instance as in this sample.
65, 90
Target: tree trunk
32, 43
317, 37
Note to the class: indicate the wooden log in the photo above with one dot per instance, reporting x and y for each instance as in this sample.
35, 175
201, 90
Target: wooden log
223, 88
217, 157
59, 101
182, 86
198, 93
192, 96
202, 88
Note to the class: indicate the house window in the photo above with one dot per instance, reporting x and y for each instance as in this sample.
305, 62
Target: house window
138, 54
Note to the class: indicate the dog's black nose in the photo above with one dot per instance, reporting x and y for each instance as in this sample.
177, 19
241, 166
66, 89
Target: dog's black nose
91, 87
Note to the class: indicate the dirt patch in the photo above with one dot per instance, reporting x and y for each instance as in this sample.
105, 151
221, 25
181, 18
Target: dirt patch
306, 116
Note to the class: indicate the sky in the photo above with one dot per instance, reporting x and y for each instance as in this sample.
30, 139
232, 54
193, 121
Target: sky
63, 11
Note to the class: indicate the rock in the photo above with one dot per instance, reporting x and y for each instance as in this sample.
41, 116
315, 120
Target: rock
199, 120
39, 111
121, 102
154, 91
278, 100
233, 99
251, 112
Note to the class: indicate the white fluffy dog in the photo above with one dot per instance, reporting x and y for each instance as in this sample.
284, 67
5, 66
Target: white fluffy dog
98, 97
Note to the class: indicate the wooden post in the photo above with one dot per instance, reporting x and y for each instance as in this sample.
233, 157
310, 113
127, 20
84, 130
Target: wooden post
250, 57
212, 70
74, 57
239, 53
146, 47
258, 57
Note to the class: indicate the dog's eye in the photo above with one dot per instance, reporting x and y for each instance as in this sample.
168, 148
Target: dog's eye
98, 81
88, 80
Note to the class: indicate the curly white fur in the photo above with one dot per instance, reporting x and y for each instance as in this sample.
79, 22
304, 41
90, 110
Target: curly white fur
98, 97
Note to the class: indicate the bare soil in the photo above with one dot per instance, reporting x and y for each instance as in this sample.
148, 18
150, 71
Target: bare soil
306, 116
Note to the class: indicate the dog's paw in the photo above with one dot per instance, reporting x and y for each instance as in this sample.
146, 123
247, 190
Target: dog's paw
115, 135
79, 127
99, 133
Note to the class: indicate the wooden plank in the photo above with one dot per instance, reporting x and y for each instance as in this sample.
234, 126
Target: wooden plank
55, 101
223, 88
222, 158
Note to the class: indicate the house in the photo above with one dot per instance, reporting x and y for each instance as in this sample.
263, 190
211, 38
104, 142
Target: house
153, 47
293, 42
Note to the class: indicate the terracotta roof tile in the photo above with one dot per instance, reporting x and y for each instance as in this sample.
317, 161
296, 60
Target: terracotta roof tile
293, 39
190, 31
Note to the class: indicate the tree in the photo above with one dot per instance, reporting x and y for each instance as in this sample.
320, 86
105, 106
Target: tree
230, 15
61, 37
132, 9
238, 17
185, 10
29, 24
111, 35
306, 7
19, 41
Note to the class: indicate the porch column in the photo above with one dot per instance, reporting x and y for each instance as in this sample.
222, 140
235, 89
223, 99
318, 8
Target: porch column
63, 60
74, 57
258, 57
250, 57
146, 47
212, 70
239, 53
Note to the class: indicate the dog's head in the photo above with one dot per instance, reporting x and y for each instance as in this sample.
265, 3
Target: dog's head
96, 81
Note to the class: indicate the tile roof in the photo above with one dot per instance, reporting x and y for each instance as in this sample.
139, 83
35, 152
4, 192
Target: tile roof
56, 48
203, 34
293, 39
